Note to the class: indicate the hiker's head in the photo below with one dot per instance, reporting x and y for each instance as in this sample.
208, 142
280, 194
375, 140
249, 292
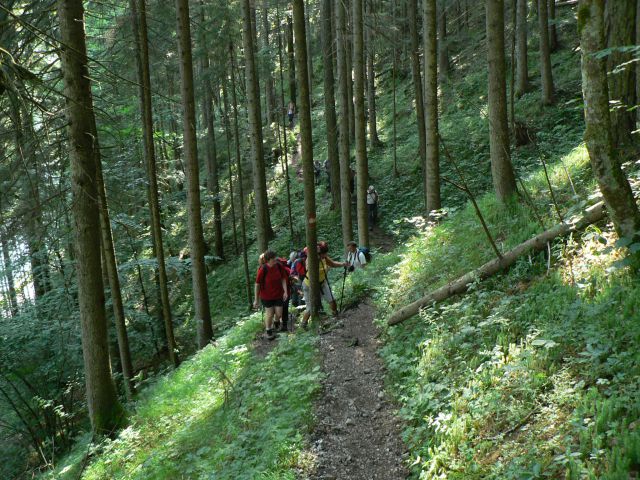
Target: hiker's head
261, 260
323, 248
270, 257
352, 246
370, 189
293, 256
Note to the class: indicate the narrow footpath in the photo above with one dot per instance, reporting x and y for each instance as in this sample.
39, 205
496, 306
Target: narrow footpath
357, 434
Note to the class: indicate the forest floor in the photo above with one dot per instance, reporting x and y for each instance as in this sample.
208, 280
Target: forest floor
357, 435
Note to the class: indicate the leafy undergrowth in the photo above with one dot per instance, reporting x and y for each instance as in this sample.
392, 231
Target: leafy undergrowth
533, 374
224, 413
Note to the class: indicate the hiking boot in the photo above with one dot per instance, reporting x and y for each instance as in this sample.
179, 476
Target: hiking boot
276, 324
270, 334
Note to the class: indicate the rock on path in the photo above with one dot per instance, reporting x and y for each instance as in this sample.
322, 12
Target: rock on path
357, 435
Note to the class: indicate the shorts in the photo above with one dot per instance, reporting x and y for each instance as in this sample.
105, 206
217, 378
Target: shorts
271, 303
325, 292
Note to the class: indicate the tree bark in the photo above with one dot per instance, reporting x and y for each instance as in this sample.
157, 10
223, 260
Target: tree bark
270, 90
196, 239
345, 179
620, 31
284, 129
504, 181
213, 182
292, 61
330, 104
497, 265
546, 74
105, 412
394, 81
412, 17
227, 133
236, 131
8, 273
371, 77
144, 80
349, 49
362, 167
553, 31
263, 227
306, 141
444, 66
603, 155
522, 68
432, 160
307, 14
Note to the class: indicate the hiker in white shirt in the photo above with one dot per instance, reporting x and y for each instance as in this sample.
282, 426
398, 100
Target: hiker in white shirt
372, 206
355, 258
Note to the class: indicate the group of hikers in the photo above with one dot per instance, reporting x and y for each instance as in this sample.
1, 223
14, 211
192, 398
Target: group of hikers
279, 281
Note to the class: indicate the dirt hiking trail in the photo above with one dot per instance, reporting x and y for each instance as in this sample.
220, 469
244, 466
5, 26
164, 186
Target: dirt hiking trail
357, 434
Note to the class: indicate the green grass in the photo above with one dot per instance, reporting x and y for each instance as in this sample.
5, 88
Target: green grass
224, 413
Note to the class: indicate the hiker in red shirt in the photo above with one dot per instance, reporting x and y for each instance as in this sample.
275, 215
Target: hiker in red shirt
270, 289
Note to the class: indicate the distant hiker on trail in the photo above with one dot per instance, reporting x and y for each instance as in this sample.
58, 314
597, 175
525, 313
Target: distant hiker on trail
325, 289
270, 289
316, 171
291, 110
355, 258
298, 274
372, 206
327, 170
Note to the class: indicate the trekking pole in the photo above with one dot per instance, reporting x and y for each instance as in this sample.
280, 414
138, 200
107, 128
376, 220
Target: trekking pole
344, 277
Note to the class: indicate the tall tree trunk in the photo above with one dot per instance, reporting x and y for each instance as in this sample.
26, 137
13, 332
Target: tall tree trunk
292, 62
546, 73
620, 31
349, 49
105, 411
362, 167
270, 90
344, 150
307, 15
236, 131
227, 133
374, 140
213, 182
8, 273
522, 68
613, 184
417, 84
394, 77
33, 226
504, 181
284, 126
306, 141
202, 311
263, 227
112, 273
139, 11
444, 66
330, 104
432, 163
553, 31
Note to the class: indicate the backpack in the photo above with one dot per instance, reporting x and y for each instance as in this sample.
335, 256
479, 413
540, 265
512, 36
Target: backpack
299, 268
366, 252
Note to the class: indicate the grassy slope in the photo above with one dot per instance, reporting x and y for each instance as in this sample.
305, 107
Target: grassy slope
531, 375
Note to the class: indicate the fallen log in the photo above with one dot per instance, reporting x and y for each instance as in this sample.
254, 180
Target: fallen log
591, 215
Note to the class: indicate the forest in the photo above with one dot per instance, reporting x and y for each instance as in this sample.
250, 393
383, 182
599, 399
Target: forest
446, 189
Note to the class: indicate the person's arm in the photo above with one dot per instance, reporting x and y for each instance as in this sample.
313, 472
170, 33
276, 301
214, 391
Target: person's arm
335, 264
256, 301
284, 289
362, 259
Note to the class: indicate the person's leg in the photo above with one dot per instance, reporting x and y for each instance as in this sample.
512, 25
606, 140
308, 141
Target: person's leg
307, 308
278, 315
327, 294
268, 321
284, 322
